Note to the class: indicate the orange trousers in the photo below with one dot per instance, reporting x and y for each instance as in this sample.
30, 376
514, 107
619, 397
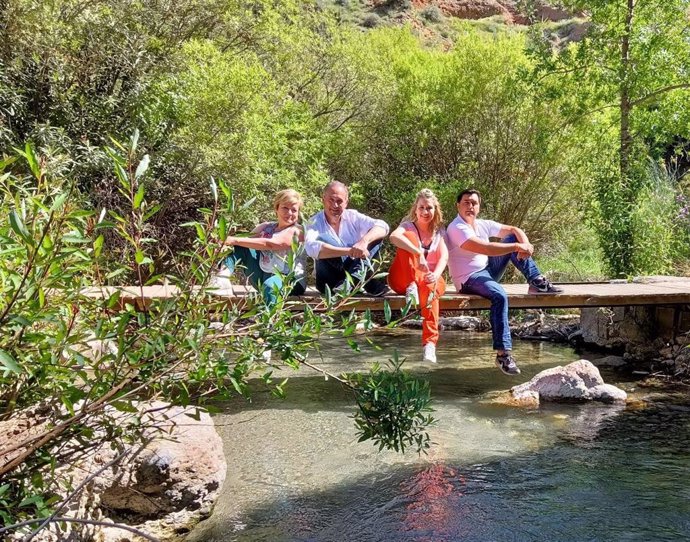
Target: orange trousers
404, 271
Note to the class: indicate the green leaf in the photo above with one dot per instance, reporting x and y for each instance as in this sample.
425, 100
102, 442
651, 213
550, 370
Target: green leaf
32, 160
98, 245
139, 196
19, 228
33, 500
247, 204
152, 211
8, 362
142, 167
59, 202
115, 273
386, 311
124, 406
134, 141
200, 232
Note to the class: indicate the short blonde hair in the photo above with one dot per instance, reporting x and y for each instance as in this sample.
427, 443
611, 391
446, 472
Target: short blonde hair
287, 196
426, 193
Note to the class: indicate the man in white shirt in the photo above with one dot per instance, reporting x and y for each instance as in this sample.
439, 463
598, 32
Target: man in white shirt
476, 265
343, 240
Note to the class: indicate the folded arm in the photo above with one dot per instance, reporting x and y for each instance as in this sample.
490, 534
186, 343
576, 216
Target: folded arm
493, 248
280, 241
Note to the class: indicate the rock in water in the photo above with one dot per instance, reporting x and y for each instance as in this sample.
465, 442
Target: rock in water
577, 381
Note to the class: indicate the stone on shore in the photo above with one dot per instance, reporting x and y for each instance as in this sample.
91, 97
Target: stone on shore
610, 361
577, 381
455, 323
163, 486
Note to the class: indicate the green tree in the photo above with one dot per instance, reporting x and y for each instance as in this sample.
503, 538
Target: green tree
466, 117
630, 67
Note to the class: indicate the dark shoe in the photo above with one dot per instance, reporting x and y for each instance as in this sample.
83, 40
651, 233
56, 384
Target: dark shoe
506, 362
376, 287
542, 285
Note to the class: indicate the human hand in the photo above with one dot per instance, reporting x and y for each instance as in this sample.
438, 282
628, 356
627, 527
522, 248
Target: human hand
524, 250
430, 277
359, 250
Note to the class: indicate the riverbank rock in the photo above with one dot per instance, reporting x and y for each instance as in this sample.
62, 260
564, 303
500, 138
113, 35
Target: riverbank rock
610, 361
163, 485
577, 381
453, 323
172, 482
560, 328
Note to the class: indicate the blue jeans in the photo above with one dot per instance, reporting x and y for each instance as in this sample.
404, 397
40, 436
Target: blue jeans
331, 272
268, 284
485, 283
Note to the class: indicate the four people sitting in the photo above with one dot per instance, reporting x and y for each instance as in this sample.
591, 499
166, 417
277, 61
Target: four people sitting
345, 245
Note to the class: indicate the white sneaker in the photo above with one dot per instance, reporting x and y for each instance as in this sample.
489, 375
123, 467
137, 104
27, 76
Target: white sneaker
412, 294
429, 353
219, 283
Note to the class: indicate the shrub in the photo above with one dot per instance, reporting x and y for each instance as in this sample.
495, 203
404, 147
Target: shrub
371, 21
432, 14
658, 241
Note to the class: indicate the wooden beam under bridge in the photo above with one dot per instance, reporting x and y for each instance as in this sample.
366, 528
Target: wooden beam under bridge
656, 291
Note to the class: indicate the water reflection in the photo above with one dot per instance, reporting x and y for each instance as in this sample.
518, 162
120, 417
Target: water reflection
560, 472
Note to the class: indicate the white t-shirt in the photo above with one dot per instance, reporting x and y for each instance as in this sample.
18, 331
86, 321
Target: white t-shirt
463, 263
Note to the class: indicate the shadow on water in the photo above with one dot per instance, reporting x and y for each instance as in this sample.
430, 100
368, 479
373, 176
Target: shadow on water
560, 472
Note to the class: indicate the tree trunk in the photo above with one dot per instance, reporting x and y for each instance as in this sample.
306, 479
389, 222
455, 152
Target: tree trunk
627, 184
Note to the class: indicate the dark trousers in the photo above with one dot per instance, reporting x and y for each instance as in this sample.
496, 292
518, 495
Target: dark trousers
332, 272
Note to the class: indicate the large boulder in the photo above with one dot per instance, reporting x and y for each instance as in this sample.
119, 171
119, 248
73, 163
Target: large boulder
172, 482
162, 484
577, 381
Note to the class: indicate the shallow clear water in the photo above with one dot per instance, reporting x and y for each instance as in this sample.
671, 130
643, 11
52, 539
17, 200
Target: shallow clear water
495, 473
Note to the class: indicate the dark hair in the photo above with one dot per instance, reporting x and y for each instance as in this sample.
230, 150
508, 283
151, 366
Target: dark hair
468, 191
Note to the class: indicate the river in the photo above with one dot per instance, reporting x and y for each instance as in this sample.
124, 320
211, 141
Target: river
495, 473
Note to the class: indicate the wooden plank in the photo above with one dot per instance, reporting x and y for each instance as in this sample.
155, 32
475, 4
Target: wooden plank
600, 294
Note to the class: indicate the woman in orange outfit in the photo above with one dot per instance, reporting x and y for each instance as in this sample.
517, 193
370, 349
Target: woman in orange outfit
417, 269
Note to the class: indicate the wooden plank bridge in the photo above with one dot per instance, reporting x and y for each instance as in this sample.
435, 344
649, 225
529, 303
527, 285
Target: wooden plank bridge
660, 291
